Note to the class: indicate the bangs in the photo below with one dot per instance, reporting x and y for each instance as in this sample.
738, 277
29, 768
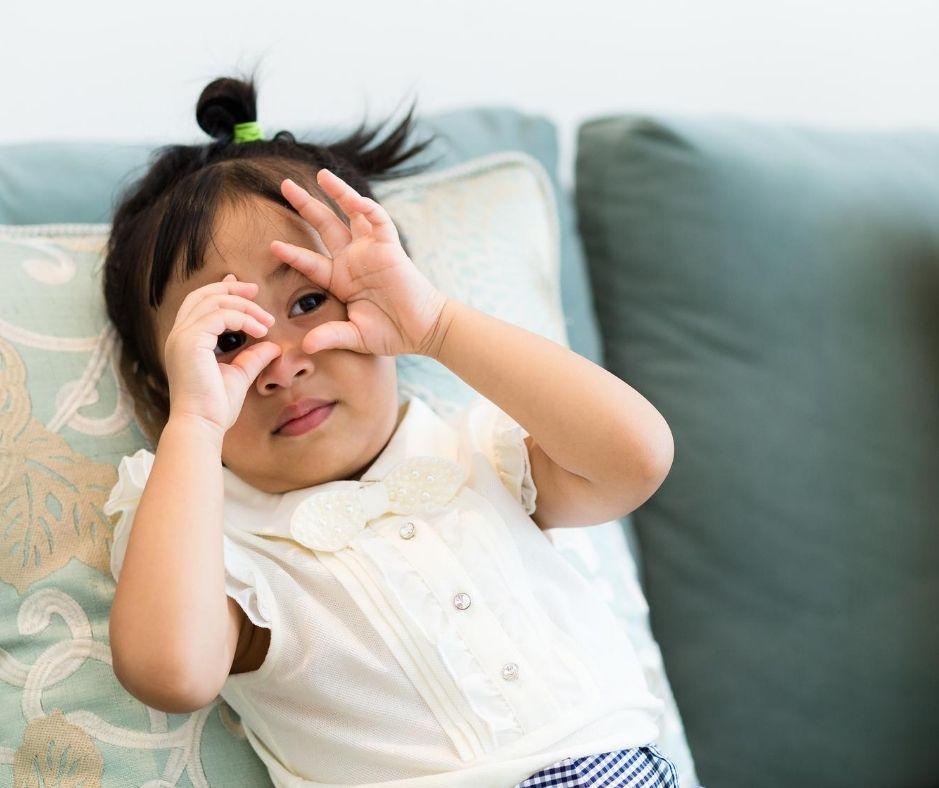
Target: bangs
190, 208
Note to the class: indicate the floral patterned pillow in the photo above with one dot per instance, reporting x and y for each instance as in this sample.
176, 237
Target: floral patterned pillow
66, 421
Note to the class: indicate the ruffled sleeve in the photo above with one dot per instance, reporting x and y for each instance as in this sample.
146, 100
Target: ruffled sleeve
501, 439
243, 582
132, 474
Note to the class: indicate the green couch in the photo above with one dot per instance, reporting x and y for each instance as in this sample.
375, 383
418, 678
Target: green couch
774, 291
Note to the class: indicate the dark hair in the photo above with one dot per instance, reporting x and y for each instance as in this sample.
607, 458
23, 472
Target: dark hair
163, 221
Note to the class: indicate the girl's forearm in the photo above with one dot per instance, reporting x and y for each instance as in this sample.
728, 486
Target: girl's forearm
169, 618
585, 419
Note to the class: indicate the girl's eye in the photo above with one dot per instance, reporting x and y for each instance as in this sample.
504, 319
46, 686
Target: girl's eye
229, 341
311, 296
225, 344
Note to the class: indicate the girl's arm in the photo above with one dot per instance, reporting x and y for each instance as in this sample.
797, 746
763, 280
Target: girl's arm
171, 629
174, 630
598, 448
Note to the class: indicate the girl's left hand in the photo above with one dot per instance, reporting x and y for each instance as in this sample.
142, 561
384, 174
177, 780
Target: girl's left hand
392, 308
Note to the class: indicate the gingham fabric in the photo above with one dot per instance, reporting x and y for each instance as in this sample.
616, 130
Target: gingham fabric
637, 767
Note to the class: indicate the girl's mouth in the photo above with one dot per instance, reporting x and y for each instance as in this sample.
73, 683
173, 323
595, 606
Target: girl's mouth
308, 422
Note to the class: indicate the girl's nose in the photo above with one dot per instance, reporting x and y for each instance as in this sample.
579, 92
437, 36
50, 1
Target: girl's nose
283, 371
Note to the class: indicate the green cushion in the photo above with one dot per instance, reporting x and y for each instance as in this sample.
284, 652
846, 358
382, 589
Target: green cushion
774, 292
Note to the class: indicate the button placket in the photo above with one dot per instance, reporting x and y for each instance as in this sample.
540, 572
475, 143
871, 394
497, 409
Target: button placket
461, 601
478, 626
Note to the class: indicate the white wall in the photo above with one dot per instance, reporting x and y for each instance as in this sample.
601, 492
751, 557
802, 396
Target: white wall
107, 70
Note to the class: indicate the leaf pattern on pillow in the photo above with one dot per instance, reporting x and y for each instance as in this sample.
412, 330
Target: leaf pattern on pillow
55, 752
51, 496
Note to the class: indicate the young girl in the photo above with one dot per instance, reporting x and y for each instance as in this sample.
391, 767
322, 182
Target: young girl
367, 584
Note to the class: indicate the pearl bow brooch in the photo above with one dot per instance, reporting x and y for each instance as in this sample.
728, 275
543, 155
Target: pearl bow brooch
329, 520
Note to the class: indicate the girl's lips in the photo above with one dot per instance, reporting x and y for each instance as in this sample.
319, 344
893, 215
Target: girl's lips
306, 423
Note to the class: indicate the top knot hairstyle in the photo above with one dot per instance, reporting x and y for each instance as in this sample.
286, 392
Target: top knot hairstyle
163, 222
224, 103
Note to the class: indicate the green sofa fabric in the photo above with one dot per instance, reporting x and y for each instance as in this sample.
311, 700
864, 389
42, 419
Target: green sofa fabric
774, 292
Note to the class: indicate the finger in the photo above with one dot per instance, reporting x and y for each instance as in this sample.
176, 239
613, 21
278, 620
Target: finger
314, 266
255, 358
360, 225
353, 203
231, 302
225, 286
337, 334
347, 198
383, 228
219, 321
331, 228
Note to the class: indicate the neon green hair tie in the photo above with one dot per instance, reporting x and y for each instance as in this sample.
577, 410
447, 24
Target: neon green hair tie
248, 132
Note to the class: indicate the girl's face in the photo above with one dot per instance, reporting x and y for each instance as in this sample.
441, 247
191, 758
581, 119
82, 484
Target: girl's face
365, 386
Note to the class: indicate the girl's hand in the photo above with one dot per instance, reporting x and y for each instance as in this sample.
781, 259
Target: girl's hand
392, 307
199, 384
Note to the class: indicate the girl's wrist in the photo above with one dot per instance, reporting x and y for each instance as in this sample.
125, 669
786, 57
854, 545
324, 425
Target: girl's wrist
433, 343
193, 424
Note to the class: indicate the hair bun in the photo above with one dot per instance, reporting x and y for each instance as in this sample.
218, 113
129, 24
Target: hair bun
225, 102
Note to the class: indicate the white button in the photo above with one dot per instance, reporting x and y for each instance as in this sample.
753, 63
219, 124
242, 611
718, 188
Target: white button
462, 601
407, 530
510, 671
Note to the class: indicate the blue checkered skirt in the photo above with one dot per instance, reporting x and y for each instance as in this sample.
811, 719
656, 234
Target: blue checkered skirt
637, 767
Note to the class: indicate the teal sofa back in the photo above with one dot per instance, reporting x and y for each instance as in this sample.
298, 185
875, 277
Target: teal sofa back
774, 292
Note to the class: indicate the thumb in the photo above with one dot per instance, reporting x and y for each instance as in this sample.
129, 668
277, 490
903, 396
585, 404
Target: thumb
337, 334
252, 360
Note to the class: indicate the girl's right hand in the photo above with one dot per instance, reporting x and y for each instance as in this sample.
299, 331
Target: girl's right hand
199, 384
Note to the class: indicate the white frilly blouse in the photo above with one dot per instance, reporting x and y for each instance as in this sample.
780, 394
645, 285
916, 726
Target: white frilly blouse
425, 631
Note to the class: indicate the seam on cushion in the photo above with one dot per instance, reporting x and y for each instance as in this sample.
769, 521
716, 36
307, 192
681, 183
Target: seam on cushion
61, 228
